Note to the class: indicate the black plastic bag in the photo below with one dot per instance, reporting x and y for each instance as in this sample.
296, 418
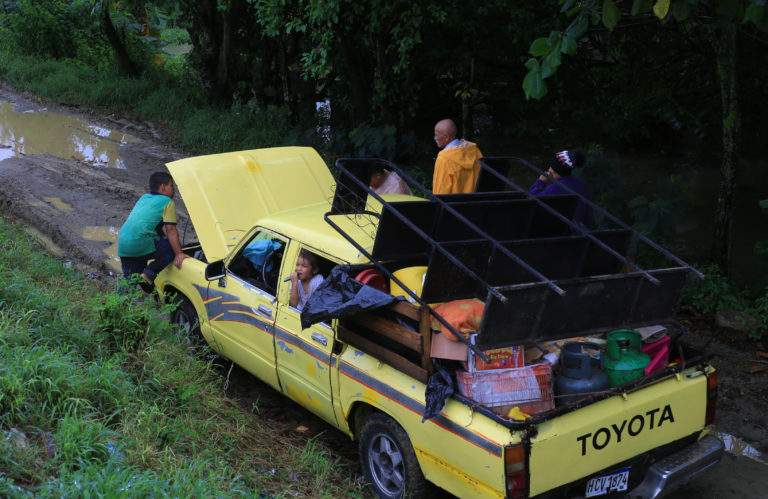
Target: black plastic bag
439, 387
340, 295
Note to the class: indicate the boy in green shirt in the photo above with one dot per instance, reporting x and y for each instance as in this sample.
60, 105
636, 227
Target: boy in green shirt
141, 237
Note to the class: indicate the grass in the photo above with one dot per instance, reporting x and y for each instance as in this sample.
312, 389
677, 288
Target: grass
99, 398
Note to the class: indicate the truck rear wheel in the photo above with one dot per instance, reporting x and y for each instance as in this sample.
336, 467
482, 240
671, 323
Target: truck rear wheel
388, 460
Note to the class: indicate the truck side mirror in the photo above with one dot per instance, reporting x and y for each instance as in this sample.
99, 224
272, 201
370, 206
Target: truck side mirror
215, 270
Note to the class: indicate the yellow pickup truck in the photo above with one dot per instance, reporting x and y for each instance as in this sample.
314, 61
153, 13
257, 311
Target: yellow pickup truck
254, 212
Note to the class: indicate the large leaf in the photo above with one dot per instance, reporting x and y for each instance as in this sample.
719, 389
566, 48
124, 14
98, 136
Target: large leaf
533, 84
551, 62
540, 47
611, 14
569, 45
661, 8
567, 5
641, 6
578, 27
755, 12
681, 10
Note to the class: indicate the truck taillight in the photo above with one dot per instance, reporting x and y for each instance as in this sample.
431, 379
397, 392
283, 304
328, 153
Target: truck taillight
711, 397
515, 471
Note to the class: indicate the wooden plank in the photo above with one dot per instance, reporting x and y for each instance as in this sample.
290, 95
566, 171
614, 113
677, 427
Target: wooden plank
390, 329
387, 356
407, 309
425, 329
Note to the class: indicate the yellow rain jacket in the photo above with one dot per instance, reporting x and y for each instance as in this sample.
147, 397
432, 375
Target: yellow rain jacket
456, 169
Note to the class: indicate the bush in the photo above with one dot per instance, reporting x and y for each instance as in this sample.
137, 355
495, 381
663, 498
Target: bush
175, 36
59, 29
714, 292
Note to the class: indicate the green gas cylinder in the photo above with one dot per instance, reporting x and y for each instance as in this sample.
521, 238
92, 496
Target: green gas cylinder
624, 360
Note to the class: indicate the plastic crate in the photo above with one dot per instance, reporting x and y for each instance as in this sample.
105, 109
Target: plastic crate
528, 387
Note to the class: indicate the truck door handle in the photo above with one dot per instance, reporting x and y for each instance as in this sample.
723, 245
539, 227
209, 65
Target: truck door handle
265, 310
320, 339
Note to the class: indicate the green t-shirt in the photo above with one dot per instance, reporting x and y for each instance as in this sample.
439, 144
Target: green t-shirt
141, 229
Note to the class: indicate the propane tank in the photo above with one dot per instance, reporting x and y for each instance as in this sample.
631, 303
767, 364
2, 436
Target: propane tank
580, 371
624, 360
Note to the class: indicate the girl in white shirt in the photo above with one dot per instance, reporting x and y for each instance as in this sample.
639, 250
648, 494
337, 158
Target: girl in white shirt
305, 280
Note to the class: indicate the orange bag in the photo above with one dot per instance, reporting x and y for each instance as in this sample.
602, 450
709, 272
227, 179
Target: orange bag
464, 315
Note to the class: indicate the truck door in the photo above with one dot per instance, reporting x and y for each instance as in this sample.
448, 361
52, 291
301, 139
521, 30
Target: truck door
303, 356
242, 306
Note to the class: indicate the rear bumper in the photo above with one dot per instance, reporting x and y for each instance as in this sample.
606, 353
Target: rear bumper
674, 470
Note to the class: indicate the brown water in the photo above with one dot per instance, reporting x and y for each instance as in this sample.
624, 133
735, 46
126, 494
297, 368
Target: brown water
45, 241
107, 234
738, 447
58, 204
44, 132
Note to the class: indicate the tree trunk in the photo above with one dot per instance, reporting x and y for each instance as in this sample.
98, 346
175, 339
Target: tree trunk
466, 105
282, 62
725, 44
221, 88
359, 88
123, 59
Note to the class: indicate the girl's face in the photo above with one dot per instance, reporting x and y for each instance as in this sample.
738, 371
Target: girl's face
304, 269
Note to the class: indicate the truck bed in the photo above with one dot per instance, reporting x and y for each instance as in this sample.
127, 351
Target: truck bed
400, 336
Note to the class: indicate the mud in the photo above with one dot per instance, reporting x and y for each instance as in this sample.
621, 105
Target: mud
74, 196
73, 178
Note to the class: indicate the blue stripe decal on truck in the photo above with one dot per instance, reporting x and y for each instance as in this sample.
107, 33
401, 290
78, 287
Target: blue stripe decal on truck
227, 307
417, 407
298, 342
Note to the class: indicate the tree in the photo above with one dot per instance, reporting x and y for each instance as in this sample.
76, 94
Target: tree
132, 26
716, 23
103, 7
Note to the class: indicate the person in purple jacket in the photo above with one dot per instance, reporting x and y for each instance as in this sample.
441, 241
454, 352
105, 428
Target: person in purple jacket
560, 167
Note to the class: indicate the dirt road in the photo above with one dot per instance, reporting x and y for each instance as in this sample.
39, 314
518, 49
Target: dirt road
56, 179
72, 178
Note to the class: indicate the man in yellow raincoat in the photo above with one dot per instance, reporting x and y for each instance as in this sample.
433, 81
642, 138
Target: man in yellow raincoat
457, 165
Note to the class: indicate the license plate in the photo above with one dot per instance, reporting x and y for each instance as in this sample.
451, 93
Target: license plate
601, 485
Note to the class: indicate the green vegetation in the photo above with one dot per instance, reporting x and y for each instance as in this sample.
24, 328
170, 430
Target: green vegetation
716, 292
97, 395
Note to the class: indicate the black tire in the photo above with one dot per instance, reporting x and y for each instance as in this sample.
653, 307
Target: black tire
186, 323
388, 460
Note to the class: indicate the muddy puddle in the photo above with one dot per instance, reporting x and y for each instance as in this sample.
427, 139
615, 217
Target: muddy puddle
46, 241
107, 234
39, 132
738, 447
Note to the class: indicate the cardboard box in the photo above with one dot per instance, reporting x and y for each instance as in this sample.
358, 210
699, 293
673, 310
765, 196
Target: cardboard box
443, 348
500, 358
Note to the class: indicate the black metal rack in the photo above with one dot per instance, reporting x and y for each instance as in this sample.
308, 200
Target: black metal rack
541, 275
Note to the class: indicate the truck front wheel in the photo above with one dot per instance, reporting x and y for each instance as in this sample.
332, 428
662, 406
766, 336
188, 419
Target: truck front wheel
388, 459
186, 323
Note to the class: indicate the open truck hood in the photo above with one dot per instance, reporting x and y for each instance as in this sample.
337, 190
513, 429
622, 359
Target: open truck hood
227, 194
